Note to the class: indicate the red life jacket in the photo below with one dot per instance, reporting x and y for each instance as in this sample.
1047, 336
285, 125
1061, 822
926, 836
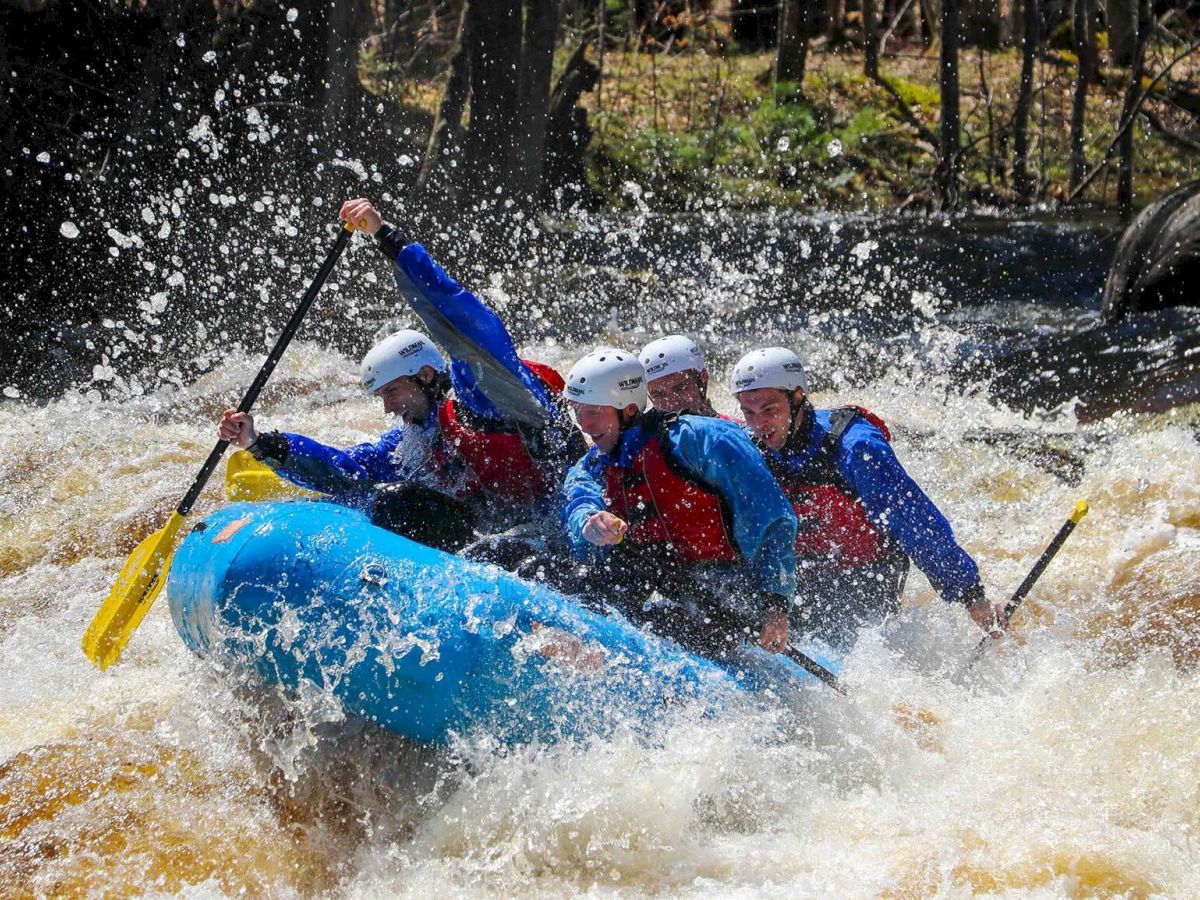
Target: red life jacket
500, 459
548, 375
668, 508
832, 524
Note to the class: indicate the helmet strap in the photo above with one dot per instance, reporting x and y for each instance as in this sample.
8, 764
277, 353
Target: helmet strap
798, 410
436, 389
624, 420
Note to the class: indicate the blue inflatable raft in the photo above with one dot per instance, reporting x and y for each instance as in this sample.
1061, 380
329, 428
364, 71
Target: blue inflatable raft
422, 642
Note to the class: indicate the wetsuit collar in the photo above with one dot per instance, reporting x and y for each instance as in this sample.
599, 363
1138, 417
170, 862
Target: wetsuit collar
800, 437
634, 436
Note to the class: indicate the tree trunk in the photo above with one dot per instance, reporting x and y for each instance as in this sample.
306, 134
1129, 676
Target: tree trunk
835, 17
568, 131
9, 127
791, 51
446, 134
1083, 38
914, 22
931, 14
950, 126
1022, 180
1004, 23
870, 24
339, 100
537, 62
1129, 109
495, 27
327, 63
1121, 16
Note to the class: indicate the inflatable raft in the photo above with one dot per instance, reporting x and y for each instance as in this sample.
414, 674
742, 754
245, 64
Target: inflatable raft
422, 642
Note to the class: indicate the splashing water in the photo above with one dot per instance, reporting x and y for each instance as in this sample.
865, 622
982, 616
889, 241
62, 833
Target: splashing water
1065, 762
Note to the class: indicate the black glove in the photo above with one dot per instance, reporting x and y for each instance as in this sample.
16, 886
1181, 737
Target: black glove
270, 448
390, 241
972, 595
775, 603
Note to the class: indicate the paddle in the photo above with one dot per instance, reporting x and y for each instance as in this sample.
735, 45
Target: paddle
810, 665
814, 668
1081, 510
144, 573
247, 479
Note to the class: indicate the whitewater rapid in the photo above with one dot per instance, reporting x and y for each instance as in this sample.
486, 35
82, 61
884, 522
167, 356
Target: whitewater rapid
1065, 762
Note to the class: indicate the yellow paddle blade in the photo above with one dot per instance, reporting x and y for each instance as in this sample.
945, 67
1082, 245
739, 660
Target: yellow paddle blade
248, 479
127, 603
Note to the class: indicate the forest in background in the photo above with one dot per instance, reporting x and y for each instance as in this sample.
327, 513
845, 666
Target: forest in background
154, 119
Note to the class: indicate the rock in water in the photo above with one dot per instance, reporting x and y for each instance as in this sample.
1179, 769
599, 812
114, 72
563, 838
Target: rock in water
1157, 263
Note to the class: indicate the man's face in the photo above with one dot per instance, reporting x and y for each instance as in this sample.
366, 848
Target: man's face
404, 397
768, 414
679, 391
601, 423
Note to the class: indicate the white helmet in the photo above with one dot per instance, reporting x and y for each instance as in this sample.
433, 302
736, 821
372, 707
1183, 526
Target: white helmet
608, 377
770, 367
672, 354
397, 355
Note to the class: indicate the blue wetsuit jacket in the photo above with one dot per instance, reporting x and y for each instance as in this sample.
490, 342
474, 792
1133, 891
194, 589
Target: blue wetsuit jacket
893, 502
490, 382
719, 455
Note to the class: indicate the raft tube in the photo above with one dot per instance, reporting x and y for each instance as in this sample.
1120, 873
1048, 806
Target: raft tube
423, 642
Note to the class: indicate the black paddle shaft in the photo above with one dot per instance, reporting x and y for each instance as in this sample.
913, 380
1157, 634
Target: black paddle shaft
814, 668
289, 331
803, 660
1039, 567
1034, 574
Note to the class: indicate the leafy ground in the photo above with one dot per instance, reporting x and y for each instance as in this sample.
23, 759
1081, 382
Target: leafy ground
691, 127
674, 131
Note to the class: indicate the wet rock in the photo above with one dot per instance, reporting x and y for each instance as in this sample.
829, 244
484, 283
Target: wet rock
1145, 363
1157, 264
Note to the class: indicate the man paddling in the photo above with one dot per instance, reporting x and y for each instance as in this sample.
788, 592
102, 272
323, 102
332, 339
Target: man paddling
696, 514
861, 517
677, 376
493, 456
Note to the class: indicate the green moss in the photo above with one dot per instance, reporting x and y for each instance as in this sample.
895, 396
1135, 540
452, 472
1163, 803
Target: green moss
915, 95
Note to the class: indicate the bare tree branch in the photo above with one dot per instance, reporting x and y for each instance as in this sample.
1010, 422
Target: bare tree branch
1129, 120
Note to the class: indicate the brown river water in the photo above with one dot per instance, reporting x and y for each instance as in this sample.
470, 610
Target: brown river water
1065, 762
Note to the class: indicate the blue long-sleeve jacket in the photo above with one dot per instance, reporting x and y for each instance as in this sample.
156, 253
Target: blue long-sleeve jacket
485, 370
351, 475
489, 379
719, 455
894, 502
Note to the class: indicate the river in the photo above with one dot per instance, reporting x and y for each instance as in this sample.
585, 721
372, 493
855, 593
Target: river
1065, 762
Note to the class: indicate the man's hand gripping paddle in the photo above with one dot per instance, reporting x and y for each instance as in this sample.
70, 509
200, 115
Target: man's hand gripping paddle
805, 662
145, 572
1081, 510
